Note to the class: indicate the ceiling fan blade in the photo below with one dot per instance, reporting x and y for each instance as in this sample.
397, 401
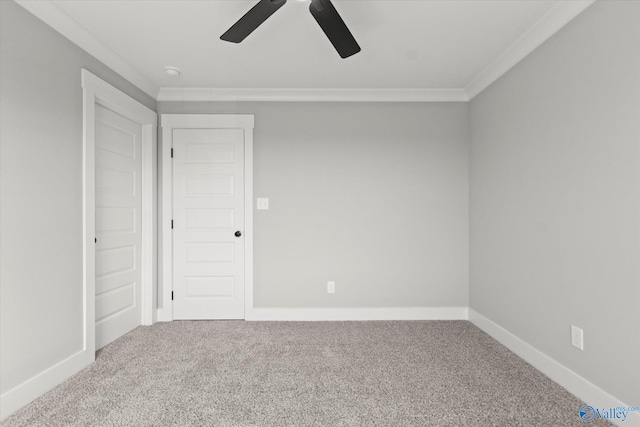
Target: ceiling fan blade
334, 27
252, 20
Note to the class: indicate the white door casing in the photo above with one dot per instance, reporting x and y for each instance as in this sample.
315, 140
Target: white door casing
118, 225
97, 93
207, 193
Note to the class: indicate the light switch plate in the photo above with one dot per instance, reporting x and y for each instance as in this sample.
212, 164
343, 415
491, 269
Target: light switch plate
262, 204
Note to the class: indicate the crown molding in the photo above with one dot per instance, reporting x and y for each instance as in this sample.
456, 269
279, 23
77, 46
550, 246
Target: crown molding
312, 95
552, 21
556, 18
57, 19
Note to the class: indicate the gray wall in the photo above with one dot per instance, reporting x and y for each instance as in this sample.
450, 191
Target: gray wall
555, 198
373, 196
41, 193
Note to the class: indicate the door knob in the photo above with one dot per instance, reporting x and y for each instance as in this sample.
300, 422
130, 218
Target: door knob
238, 234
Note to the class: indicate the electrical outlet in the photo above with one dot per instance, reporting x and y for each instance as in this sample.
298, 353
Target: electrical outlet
331, 287
577, 337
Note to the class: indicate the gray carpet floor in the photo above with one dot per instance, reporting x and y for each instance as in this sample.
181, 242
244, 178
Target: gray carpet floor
234, 373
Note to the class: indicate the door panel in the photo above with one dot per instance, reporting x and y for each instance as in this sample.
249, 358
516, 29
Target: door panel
208, 208
118, 225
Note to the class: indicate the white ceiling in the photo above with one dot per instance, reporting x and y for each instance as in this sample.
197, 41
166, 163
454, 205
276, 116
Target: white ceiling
451, 47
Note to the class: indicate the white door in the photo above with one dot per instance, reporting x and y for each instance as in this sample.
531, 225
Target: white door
208, 223
118, 225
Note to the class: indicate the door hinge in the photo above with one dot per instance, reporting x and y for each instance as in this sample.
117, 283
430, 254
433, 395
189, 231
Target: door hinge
171, 295
172, 153
172, 224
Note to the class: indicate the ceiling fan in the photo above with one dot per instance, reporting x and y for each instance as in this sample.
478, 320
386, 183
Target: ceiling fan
322, 10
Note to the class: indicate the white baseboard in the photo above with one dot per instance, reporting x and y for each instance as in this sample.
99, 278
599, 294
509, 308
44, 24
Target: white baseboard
574, 383
372, 313
164, 315
36, 386
24, 393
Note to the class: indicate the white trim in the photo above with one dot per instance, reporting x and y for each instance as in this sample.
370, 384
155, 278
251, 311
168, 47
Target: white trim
552, 21
148, 262
48, 12
367, 313
97, 91
556, 18
207, 121
168, 122
248, 219
580, 387
88, 219
165, 245
312, 95
36, 386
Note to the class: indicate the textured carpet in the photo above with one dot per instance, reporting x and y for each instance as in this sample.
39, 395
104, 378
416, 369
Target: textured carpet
234, 373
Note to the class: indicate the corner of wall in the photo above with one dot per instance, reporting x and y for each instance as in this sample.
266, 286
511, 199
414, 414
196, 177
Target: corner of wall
580, 387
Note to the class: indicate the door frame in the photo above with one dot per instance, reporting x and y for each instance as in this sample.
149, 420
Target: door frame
168, 122
98, 92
